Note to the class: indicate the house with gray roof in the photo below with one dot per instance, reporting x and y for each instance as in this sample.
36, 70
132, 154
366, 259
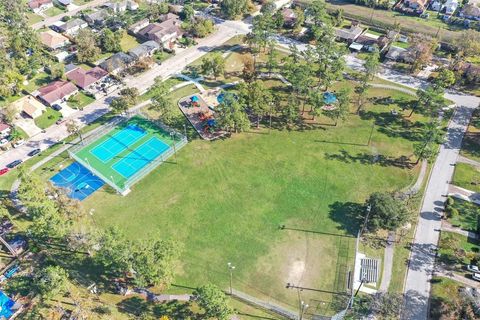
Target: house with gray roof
97, 18
71, 27
146, 49
117, 63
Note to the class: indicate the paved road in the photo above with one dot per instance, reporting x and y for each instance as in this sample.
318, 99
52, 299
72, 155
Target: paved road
50, 20
52, 135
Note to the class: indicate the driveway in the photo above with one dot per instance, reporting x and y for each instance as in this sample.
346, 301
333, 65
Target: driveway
28, 125
66, 111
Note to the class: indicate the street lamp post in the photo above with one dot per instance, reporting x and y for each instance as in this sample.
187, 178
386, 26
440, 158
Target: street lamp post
231, 267
303, 308
369, 209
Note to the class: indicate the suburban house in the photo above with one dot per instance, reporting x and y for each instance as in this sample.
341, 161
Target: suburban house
470, 11
97, 18
4, 130
349, 35
40, 5
65, 3
137, 26
396, 53
449, 7
56, 92
53, 40
30, 106
122, 5
412, 6
165, 33
289, 17
368, 42
117, 63
146, 49
86, 79
70, 27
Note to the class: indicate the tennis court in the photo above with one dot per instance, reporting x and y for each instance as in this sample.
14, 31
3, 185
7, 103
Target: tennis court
122, 155
78, 181
119, 142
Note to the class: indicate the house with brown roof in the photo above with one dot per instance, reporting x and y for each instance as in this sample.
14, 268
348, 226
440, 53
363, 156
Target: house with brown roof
165, 33
40, 5
368, 42
4, 130
53, 40
29, 106
416, 7
56, 92
289, 17
86, 79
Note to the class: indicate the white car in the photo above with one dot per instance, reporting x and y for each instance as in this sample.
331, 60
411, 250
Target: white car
476, 276
3, 142
18, 143
473, 268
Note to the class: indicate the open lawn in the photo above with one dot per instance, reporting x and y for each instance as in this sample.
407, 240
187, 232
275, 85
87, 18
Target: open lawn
48, 118
468, 213
449, 246
442, 293
467, 176
80, 100
225, 201
39, 80
128, 42
471, 142
54, 11
33, 18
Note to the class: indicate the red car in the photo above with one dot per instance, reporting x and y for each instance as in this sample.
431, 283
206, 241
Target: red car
3, 171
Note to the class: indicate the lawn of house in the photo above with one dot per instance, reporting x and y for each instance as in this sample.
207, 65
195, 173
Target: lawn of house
467, 217
467, 177
128, 42
54, 11
48, 118
80, 100
455, 249
39, 80
471, 142
33, 18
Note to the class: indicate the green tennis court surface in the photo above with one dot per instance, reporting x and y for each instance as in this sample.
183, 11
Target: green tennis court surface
124, 151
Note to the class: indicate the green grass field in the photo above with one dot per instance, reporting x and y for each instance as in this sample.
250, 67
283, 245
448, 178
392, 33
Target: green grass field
80, 100
105, 168
467, 218
48, 118
467, 176
225, 201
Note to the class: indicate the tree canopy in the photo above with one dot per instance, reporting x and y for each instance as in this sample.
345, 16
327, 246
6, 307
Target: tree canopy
386, 212
213, 301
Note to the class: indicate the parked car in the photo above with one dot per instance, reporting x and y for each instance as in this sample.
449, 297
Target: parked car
34, 152
18, 143
476, 277
473, 268
57, 107
59, 121
13, 164
3, 142
3, 171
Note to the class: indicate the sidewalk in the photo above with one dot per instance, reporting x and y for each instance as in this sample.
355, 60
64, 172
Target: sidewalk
463, 194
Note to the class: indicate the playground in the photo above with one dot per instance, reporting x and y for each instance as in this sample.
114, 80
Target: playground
201, 114
123, 155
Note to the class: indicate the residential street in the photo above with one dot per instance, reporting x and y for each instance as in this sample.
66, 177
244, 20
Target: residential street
175, 64
50, 20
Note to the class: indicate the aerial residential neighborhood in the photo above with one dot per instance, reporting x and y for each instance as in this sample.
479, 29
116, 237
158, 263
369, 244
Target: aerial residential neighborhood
240, 159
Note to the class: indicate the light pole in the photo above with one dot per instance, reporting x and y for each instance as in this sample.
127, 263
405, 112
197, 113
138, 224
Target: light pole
303, 308
230, 267
172, 135
369, 209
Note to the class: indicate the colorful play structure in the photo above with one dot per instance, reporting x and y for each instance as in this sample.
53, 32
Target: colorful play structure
329, 100
206, 117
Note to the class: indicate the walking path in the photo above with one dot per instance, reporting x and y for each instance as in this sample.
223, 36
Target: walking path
265, 305
463, 194
469, 161
457, 277
391, 87
447, 226
388, 262
196, 81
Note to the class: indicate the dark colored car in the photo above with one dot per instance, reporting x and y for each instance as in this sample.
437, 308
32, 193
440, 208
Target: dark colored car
13, 164
57, 107
3, 171
34, 152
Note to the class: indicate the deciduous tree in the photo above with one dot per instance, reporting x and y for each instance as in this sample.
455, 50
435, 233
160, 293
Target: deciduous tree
88, 51
51, 281
386, 212
213, 301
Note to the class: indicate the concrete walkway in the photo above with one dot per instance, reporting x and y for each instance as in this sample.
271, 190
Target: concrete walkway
463, 194
388, 262
469, 161
193, 81
457, 277
447, 226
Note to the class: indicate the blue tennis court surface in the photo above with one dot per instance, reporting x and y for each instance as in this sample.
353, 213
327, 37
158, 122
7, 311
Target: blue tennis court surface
78, 180
143, 155
117, 143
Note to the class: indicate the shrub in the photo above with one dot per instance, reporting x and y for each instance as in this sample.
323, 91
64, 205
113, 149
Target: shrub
450, 201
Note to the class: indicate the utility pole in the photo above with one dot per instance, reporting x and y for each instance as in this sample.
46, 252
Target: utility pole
231, 267
369, 209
